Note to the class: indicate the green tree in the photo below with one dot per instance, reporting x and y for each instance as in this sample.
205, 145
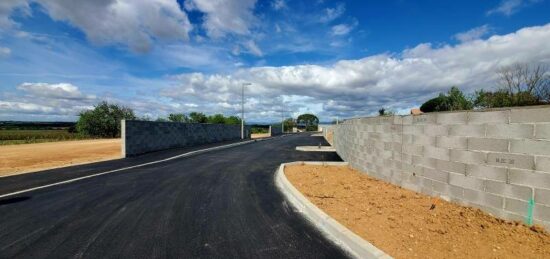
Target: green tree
385, 112
233, 120
433, 104
103, 120
289, 123
309, 120
216, 119
178, 117
518, 85
197, 117
454, 100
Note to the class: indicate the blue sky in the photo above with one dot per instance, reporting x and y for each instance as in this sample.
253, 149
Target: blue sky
332, 58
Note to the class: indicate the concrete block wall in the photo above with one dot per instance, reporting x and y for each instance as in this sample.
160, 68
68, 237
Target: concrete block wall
146, 136
494, 160
275, 130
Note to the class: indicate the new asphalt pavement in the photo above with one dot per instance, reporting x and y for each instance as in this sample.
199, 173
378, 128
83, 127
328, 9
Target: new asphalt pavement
220, 204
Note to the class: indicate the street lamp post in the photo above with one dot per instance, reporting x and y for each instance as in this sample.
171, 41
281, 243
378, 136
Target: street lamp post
283, 117
242, 109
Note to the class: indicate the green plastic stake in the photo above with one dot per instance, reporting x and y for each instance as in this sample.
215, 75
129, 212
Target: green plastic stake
530, 212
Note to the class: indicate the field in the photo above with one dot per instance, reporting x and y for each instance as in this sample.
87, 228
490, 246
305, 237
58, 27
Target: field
10, 137
20, 132
17, 159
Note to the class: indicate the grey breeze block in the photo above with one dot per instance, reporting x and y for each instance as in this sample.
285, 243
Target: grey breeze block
140, 137
495, 160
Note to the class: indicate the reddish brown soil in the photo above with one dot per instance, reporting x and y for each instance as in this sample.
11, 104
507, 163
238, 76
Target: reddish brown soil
18, 159
329, 137
401, 223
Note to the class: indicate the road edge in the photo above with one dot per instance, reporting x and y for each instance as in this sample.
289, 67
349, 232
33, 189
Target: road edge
190, 153
354, 245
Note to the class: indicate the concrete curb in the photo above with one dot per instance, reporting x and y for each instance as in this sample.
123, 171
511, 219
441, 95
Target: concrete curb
354, 245
316, 148
191, 153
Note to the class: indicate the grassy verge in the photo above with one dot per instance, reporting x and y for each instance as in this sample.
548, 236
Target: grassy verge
12, 137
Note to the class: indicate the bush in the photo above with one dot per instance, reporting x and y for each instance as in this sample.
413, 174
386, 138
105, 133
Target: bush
454, 100
310, 121
233, 120
503, 98
177, 117
104, 120
216, 119
197, 117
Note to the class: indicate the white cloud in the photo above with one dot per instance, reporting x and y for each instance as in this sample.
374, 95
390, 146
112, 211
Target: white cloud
6, 9
4, 51
57, 91
360, 87
254, 49
225, 17
133, 23
509, 7
278, 4
43, 100
331, 14
342, 29
473, 34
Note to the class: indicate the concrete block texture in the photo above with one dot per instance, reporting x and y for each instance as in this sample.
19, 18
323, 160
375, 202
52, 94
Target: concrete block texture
466, 182
542, 163
468, 157
488, 144
489, 117
542, 131
452, 142
147, 136
516, 206
528, 146
483, 198
487, 172
529, 178
542, 196
510, 131
509, 190
467, 130
511, 160
494, 160
530, 115
541, 212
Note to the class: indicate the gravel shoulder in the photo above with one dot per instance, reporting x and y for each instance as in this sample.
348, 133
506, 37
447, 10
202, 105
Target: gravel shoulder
403, 223
25, 158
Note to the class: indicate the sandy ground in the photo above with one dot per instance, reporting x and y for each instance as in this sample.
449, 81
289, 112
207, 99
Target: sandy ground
329, 137
18, 159
402, 223
260, 135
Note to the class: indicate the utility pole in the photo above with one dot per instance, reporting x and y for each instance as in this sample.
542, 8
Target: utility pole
242, 109
283, 117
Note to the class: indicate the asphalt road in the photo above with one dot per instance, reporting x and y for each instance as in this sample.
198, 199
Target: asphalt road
221, 204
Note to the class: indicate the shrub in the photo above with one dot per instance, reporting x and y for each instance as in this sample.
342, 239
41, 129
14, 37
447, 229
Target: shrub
104, 120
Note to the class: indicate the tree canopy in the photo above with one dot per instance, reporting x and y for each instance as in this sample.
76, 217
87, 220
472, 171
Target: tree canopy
104, 120
216, 119
309, 120
178, 117
454, 100
197, 117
